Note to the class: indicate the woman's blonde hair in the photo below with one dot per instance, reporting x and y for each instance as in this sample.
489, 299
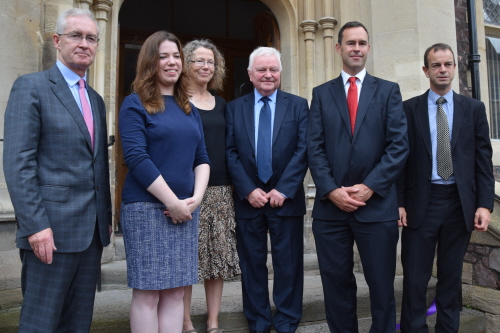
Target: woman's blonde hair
217, 81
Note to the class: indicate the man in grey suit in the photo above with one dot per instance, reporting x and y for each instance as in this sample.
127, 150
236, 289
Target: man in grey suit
56, 169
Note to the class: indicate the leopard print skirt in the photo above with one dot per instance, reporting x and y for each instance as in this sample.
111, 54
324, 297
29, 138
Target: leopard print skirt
217, 256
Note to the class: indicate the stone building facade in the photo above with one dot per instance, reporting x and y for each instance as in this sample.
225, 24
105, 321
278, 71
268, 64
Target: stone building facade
304, 30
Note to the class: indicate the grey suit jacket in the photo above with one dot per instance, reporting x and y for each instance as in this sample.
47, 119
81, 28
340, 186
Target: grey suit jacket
54, 178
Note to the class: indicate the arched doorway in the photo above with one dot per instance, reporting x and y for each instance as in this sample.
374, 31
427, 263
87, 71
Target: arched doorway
235, 26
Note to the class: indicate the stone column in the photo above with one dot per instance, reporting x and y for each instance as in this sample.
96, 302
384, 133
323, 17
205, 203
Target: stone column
101, 9
309, 27
327, 24
85, 4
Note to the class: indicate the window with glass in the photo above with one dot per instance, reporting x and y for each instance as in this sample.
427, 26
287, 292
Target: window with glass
491, 11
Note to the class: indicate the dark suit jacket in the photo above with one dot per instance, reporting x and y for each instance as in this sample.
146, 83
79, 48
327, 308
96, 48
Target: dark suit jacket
471, 154
374, 156
289, 153
54, 178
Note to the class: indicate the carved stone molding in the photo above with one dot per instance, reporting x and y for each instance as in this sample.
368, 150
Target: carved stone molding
101, 9
85, 4
309, 28
327, 24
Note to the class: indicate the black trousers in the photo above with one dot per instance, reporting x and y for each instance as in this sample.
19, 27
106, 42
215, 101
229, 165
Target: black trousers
443, 227
287, 250
377, 245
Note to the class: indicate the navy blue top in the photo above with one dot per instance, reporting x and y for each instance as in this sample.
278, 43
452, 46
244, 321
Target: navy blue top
169, 143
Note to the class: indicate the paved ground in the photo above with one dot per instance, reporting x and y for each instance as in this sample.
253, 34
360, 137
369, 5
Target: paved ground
111, 310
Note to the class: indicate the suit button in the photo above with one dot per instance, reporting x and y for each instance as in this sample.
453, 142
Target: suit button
97, 188
95, 160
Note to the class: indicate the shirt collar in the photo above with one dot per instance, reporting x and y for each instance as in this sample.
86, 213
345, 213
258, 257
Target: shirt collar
258, 96
71, 77
433, 97
361, 76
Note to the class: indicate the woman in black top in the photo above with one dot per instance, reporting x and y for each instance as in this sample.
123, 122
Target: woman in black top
218, 259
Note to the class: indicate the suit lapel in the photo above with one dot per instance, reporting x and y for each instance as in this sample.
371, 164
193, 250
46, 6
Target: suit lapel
279, 113
96, 119
422, 119
458, 117
248, 117
339, 97
367, 91
63, 93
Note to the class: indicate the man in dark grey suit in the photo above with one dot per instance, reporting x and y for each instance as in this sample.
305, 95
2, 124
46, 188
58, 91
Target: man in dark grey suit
355, 156
445, 191
56, 169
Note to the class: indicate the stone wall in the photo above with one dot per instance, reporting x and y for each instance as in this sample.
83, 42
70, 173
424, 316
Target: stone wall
484, 265
21, 22
481, 274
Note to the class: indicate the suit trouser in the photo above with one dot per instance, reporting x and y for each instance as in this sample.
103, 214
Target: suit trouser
60, 297
443, 225
287, 252
376, 243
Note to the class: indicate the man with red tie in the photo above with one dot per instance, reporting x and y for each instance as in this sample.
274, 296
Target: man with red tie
357, 146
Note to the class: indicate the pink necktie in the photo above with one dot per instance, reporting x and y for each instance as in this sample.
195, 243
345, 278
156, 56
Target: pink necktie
87, 113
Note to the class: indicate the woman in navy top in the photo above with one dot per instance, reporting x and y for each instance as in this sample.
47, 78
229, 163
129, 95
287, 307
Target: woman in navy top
164, 148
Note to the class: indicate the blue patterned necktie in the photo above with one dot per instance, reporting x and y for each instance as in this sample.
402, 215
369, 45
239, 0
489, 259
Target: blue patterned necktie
444, 162
264, 152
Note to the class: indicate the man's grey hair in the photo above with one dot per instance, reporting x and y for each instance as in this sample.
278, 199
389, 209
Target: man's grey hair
264, 51
62, 19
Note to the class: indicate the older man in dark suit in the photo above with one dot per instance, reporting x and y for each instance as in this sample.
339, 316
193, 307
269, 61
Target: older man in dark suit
267, 162
56, 168
445, 191
357, 146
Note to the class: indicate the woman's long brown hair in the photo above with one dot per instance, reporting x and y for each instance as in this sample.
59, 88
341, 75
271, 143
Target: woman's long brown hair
146, 80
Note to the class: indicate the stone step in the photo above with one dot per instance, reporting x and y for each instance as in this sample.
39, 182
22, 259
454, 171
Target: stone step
111, 311
114, 274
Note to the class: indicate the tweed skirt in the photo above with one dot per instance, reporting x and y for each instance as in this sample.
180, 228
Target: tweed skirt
160, 254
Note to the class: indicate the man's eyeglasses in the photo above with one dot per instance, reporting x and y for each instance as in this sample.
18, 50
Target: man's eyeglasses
91, 39
201, 63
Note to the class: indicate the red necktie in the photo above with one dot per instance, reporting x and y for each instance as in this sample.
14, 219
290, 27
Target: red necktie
352, 101
87, 113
